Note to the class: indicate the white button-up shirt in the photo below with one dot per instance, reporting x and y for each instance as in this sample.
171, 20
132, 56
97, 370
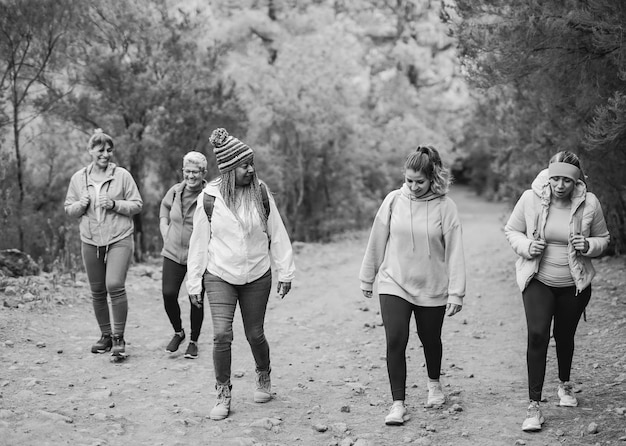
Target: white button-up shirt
236, 253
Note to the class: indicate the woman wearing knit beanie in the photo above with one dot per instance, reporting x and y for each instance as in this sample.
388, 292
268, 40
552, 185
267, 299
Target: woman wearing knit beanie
237, 234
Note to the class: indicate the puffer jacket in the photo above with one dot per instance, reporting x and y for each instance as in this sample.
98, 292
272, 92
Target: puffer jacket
528, 220
114, 224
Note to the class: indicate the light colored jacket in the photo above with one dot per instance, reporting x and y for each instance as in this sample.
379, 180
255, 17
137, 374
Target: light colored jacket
528, 220
225, 249
176, 240
416, 250
114, 224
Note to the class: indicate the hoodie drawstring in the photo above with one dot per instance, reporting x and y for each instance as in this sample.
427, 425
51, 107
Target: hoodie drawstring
427, 233
427, 229
411, 214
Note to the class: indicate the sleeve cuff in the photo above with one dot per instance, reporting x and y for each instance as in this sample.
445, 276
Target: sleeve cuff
458, 300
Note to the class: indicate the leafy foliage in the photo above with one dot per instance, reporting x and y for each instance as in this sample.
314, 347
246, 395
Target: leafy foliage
330, 95
560, 69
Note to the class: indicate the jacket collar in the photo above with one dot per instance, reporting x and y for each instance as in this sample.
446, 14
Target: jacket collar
541, 187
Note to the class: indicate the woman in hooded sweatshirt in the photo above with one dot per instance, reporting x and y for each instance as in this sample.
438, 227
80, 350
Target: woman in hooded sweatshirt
555, 229
105, 197
416, 250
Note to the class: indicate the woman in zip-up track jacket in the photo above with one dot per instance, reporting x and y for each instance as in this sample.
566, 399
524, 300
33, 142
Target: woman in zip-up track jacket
105, 197
555, 228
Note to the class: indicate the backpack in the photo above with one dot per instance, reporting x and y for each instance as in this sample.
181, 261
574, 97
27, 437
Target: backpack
209, 202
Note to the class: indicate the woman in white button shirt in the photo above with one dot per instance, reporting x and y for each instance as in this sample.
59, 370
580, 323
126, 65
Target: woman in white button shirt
231, 252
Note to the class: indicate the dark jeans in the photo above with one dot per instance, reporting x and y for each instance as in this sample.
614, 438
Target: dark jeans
544, 303
172, 279
396, 314
106, 270
252, 298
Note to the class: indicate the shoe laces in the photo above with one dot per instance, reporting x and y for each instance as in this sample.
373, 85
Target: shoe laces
397, 405
435, 387
223, 394
263, 379
533, 410
567, 388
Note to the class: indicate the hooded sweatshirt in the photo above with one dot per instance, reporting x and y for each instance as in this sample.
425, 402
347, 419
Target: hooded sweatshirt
416, 250
232, 252
528, 221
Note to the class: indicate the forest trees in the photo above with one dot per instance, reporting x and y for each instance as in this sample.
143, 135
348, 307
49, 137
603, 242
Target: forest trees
553, 76
34, 38
331, 96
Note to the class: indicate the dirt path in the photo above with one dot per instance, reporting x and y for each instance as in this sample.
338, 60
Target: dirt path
329, 372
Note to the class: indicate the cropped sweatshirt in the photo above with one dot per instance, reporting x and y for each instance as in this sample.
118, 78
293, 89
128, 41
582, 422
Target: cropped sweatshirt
224, 248
416, 250
528, 220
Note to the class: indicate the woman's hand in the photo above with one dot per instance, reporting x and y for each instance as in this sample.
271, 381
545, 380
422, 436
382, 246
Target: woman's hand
196, 300
105, 201
368, 293
282, 289
537, 247
580, 243
85, 200
452, 309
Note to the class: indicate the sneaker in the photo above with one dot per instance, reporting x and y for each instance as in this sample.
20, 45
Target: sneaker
534, 418
566, 395
222, 405
175, 342
435, 394
263, 391
119, 345
397, 414
192, 350
103, 345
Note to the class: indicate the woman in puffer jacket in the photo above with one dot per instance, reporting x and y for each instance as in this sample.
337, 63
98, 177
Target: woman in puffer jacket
556, 228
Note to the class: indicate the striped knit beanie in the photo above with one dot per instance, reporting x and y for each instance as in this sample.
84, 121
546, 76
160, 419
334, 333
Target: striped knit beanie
229, 151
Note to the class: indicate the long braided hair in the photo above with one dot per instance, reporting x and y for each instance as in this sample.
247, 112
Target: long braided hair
251, 196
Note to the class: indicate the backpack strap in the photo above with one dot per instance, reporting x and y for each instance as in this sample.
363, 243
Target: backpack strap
209, 203
265, 199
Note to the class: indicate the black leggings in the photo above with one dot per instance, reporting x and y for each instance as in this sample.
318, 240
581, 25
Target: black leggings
543, 303
396, 313
173, 276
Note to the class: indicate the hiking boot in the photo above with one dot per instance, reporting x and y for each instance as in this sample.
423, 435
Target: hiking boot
192, 350
119, 345
566, 395
263, 391
435, 394
397, 414
222, 405
534, 418
103, 345
175, 342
